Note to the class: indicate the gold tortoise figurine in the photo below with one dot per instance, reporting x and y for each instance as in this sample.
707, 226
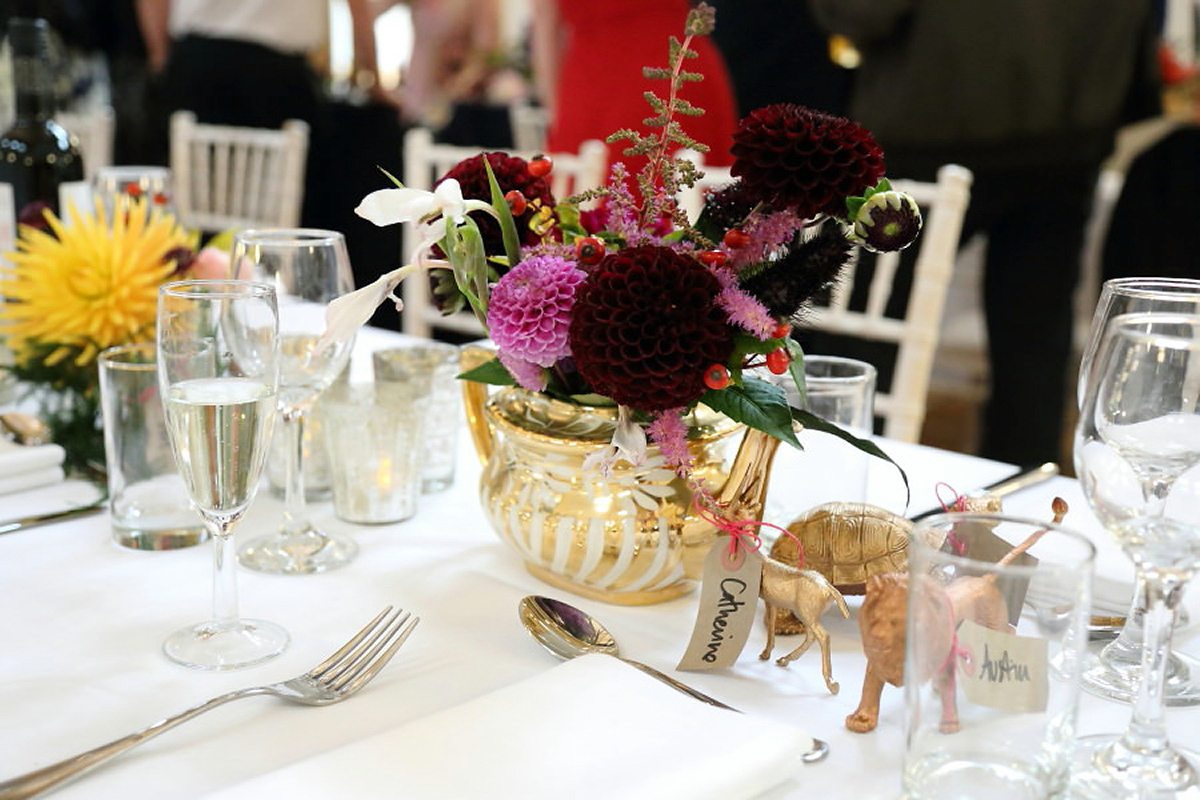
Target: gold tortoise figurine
850, 542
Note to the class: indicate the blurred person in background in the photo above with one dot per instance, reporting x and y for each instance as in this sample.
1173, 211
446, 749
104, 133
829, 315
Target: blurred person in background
247, 63
588, 57
1029, 95
777, 53
460, 78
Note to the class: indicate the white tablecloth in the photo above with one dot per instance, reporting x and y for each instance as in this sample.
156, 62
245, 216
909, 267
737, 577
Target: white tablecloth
82, 621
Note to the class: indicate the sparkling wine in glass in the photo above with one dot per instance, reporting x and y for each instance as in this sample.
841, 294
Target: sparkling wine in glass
1137, 456
219, 374
308, 268
1114, 672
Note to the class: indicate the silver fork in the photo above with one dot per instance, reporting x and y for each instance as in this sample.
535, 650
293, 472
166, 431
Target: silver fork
342, 674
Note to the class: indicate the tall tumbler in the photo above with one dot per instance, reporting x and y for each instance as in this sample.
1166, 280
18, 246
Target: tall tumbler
148, 502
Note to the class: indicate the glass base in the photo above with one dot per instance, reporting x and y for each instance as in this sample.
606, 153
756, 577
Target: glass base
230, 645
1118, 680
1104, 769
297, 554
981, 778
159, 538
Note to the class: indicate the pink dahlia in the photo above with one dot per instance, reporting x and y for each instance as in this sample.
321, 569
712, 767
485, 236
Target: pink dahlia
529, 312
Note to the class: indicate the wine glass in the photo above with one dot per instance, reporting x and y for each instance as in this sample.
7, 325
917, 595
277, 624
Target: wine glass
1115, 670
218, 370
1138, 441
308, 268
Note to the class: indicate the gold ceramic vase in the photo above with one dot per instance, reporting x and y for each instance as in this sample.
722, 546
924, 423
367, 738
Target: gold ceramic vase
632, 537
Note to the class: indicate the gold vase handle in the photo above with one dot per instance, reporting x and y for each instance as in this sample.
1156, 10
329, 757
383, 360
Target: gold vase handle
475, 395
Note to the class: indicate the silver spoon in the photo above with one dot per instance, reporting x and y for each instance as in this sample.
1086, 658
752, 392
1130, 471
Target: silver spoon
568, 632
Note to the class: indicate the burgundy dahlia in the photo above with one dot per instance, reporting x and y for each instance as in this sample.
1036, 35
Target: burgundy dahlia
646, 325
511, 173
789, 155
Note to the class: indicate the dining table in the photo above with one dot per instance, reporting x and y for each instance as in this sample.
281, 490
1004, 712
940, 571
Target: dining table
82, 621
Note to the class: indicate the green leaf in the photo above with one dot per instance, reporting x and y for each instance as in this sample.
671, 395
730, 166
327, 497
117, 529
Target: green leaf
392, 178
756, 404
466, 255
813, 422
796, 368
508, 227
492, 372
853, 204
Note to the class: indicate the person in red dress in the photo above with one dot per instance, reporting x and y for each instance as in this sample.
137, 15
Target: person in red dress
588, 57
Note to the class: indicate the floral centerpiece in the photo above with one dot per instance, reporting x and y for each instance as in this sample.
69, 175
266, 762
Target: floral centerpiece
76, 287
630, 303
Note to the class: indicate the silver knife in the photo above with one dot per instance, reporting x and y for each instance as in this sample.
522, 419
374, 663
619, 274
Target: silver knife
1022, 479
35, 520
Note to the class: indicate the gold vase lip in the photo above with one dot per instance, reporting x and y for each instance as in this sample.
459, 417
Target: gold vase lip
504, 409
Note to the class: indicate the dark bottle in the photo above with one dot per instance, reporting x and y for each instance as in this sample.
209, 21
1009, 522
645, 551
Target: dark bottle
40, 165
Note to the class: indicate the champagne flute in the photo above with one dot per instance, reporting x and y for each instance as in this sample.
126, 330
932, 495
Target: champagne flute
308, 268
1138, 441
1115, 670
218, 370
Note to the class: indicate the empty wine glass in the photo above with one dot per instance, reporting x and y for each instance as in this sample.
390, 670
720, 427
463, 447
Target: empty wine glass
1138, 441
1115, 670
218, 371
308, 268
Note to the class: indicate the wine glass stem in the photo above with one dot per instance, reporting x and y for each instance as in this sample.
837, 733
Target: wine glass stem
1146, 732
225, 600
295, 511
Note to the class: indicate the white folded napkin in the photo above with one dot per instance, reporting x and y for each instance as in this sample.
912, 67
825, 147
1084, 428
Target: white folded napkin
31, 480
592, 727
27, 467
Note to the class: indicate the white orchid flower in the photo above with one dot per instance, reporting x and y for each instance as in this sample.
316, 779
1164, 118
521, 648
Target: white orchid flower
432, 212
389, 206
628, 443
346, 314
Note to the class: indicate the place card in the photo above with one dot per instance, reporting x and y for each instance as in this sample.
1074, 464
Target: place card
728, 601
1002, 670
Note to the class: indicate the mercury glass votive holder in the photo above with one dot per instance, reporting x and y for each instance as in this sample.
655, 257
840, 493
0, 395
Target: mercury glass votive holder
373, 436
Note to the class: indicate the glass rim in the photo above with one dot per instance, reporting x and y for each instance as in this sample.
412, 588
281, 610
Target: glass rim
278, 236
1149, 287
132, 169
1086, 560
209, 288
110, 356
865, 368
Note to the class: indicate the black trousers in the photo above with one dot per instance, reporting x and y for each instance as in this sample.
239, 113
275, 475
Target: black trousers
1035, 221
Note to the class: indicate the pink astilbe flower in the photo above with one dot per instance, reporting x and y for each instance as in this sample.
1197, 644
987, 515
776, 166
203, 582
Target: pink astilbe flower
768, 233
530, 310
620, 208
669, 432
742, 308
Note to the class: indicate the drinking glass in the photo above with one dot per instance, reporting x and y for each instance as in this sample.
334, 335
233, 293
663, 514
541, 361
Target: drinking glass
116, 187
308, 268
1115, 670
996, 630
1137, 443
218, 372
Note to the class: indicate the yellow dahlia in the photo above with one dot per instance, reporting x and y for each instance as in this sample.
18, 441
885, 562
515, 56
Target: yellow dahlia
80, 288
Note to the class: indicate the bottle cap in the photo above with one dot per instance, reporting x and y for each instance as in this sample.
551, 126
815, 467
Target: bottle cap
29, 37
